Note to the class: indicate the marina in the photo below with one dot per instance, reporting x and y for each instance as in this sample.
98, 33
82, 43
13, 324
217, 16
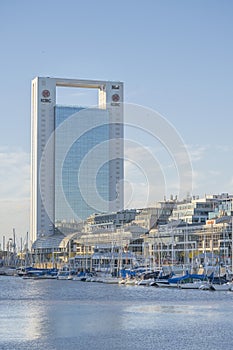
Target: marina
140, 276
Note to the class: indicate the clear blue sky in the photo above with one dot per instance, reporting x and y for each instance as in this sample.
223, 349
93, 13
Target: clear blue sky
173, 56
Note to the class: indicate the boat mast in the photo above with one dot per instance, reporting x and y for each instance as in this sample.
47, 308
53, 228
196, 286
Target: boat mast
26, 257
4, 248
14, 248
231, 243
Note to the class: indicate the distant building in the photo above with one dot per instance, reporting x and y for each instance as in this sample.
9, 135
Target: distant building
76, 155
111, 220
194, 211
224, 207
149, 218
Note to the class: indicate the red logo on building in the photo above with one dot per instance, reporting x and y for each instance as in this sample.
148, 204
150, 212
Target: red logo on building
115, 98
45, 93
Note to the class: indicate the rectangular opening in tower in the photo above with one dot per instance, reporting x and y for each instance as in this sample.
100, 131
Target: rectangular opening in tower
72, 96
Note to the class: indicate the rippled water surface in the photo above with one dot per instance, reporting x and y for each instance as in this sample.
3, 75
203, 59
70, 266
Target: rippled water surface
55, 314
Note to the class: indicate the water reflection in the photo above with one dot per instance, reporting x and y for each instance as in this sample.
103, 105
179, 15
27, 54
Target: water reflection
56, 315
21, 321
174, 309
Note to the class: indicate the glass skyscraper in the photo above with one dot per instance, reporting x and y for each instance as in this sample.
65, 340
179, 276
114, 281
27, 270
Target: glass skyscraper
76, 154
77, 207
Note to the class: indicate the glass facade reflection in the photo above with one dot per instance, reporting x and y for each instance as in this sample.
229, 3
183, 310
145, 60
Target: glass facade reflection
78, 191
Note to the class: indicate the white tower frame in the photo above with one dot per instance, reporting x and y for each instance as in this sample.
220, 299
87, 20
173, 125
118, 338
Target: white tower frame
42, 127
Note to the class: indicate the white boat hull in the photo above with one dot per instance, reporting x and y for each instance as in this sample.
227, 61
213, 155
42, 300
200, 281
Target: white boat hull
191, 285
162, 284
222, 287
145, 282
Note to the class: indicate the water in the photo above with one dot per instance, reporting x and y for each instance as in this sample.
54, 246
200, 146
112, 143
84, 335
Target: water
55, 314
